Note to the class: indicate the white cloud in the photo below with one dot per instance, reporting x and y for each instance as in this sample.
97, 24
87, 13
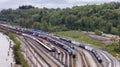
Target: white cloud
75, 1
49, 5
5, 4
87, 1
1, 1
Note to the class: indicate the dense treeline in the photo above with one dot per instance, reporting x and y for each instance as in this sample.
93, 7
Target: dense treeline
104, 17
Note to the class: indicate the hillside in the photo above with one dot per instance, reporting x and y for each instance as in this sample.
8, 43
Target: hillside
104, 17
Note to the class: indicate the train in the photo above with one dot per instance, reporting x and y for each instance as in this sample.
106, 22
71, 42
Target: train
51, 38
86, 47
81, 45
48, 47
55, 41
64, 39
27, 33
31, 33
60, 44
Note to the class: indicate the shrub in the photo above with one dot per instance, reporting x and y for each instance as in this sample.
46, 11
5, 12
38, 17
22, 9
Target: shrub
98, 32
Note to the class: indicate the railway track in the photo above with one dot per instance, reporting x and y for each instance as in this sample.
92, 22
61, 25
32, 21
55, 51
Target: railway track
96, 61
116, 62
42, 62
35, 60
83, 52
86, 58
53, 62
72, 60
80, 59
38, 54
64, 54
71, 63
65, 58
27, 53
84, 62
107, 61
110, 60
68, 59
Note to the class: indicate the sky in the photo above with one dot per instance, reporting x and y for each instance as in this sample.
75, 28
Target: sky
5, 4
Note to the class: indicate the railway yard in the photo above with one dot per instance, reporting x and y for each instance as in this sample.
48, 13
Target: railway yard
42, 49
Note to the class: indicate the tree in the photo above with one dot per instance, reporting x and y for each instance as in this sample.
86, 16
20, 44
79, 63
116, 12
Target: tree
104, 17
114, 30
44, 26
108, 27
36, 25
69, 20
98, 32
26, 7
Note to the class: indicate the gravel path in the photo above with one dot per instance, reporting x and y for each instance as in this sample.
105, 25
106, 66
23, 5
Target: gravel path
6, 56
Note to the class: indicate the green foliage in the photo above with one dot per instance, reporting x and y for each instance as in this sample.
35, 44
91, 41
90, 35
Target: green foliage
114, 49
36, 25
109, 27
114, 30
117, 49
104, 17
80, 37
98, 32
26, 7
